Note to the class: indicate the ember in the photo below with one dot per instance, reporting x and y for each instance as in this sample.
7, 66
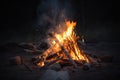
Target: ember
63, 43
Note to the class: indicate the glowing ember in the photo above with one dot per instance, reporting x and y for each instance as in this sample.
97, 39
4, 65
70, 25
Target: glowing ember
41, 64
65, 37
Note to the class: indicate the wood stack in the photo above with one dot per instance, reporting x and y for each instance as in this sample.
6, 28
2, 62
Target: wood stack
55, 58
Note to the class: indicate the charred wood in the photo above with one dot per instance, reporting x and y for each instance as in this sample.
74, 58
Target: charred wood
52, 62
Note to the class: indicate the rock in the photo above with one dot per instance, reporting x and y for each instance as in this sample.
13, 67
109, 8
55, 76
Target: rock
15, 60
53, 75
55, 66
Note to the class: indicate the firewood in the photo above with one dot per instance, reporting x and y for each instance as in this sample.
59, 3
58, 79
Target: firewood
33, 48
52, 62
92, 60
95, 57
67, 54
28, 50
69, 57
26, 45
67, 63
80, 62
38, 59
73, 49
53, 55
33, 51
65, 51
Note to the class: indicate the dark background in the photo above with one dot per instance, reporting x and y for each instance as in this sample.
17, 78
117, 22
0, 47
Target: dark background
97, 20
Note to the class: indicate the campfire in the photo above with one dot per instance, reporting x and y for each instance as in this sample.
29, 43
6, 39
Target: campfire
63, 46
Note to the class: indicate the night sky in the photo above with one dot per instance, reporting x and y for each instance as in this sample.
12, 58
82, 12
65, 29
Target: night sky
96, 19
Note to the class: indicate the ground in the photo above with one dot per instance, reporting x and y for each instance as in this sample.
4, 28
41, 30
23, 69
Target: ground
109, 70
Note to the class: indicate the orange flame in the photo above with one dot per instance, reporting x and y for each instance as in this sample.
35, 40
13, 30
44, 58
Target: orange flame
67, 38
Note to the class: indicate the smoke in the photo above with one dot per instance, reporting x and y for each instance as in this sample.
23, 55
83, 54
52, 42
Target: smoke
52, 13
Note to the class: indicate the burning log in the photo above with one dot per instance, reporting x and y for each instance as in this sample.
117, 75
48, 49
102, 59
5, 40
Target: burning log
53, 55
92, 60
38, 60
52, 62
65, 62
41, 58
80, 62
70, 59
68, 55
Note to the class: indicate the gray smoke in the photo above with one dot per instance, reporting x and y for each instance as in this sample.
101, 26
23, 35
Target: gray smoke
52, 13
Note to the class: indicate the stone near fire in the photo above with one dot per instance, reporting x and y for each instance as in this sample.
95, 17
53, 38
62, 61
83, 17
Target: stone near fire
15, 60
53, 75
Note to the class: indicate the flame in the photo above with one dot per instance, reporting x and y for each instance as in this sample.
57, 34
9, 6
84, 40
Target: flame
68, 39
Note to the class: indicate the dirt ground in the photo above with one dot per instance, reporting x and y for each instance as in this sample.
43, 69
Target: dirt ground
109, 71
